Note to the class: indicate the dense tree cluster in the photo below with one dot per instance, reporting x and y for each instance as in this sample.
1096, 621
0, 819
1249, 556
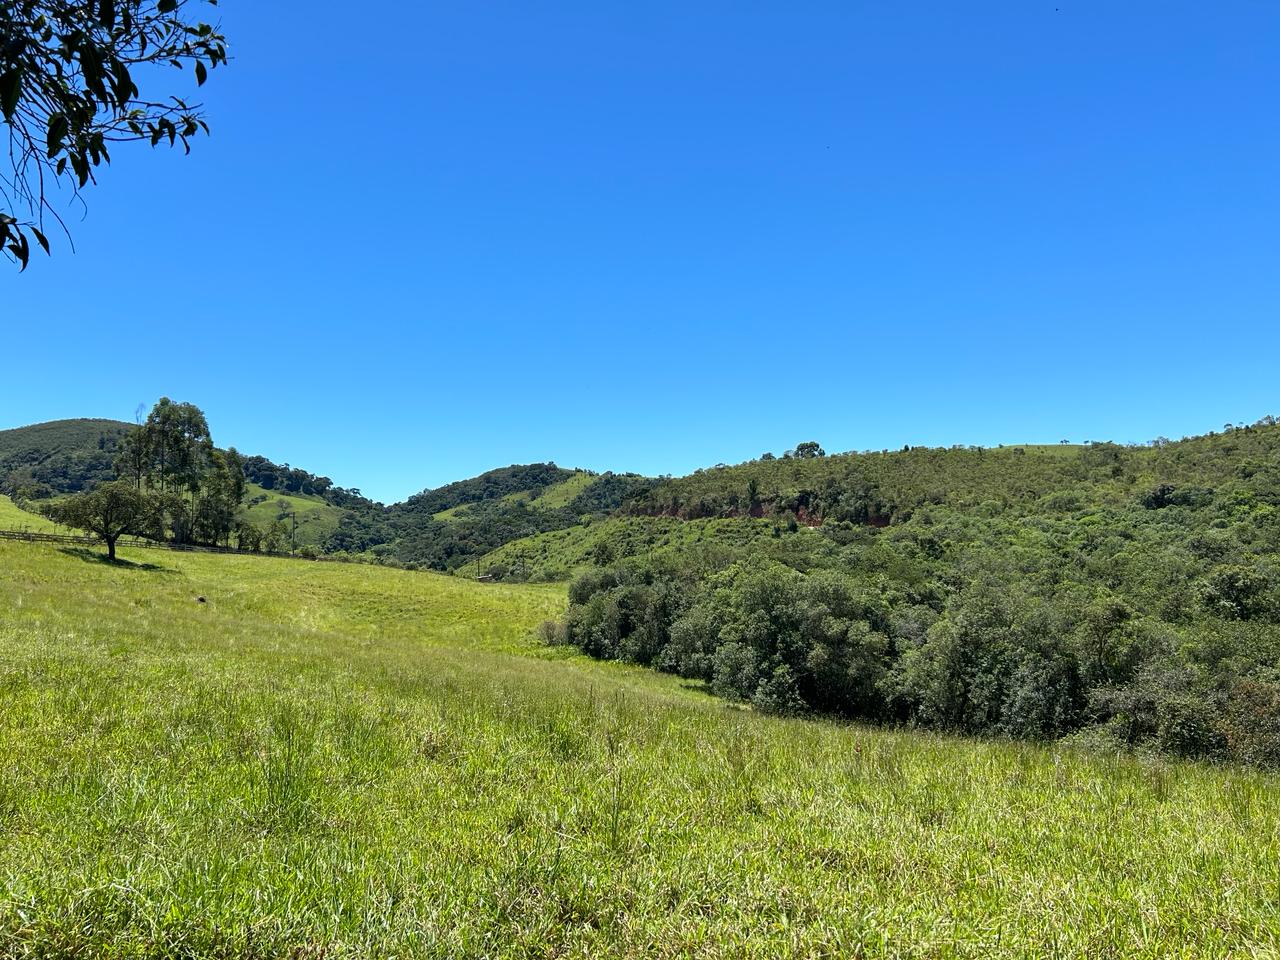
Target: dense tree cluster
174, 484
1128, 595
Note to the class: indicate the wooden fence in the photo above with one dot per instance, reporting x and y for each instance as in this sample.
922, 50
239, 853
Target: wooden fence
30, 537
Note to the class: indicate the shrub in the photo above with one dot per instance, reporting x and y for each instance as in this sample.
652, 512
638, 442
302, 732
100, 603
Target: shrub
1250, 722
1237, 592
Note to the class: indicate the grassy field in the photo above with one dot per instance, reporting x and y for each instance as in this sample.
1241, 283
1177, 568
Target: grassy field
317, 519
333, 760
13, 517
563, 493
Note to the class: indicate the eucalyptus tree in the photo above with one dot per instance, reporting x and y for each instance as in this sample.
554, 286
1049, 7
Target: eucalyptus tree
70, 75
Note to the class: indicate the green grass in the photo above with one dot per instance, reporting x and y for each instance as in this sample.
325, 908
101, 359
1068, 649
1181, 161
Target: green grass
452, 512
13, 517
317, 519
554, 497
347, 761
561, 494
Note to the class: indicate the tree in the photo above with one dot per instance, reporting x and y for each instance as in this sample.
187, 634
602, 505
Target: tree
132, 462
110, 512
69, 74
1237, 592
275, 538
809, 450
178, 443
223, 488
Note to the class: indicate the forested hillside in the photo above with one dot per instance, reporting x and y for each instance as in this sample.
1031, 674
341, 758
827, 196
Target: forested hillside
62, 456
1124, 594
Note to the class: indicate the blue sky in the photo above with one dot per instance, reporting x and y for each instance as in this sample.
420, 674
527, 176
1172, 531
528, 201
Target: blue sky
658, 236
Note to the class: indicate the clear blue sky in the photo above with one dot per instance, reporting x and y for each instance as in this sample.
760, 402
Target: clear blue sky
657, 236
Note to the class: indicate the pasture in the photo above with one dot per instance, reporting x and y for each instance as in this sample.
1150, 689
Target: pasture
349, 761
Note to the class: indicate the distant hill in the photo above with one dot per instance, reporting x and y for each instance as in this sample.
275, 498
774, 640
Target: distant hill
67, 456
456, 524
527, 478
62, 456
805, 511
440, 528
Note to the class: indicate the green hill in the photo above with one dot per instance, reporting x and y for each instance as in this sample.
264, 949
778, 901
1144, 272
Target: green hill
13, 517
440, 529
340, 760
62, 456
317, 519
1124, 595
454, 525
489, 486
879, 488
533, 490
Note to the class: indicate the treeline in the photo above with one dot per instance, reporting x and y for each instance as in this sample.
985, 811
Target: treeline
882, 487
1134, 600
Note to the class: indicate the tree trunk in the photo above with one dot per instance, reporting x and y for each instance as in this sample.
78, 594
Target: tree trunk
111, 548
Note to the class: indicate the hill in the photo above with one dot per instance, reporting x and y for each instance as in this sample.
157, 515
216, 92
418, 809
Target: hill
47, 460
13, 517
338, 760
1124, 596
316, 518
440, 528
454, 525
879, 488
62, 456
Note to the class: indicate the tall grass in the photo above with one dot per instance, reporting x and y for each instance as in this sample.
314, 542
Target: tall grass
332, 760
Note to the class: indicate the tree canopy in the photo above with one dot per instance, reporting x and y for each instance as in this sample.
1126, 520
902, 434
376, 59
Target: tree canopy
111, 511
70, 75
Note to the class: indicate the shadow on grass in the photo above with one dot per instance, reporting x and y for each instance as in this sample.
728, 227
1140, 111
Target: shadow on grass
92, 556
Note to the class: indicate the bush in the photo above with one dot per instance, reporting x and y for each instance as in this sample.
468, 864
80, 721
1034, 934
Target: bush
1237, 592
1250, 722
735, 671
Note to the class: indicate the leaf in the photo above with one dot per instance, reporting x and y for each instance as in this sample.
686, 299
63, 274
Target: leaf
21, 249
10, 92
57, 132
41, 239
202, 74
167, 6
